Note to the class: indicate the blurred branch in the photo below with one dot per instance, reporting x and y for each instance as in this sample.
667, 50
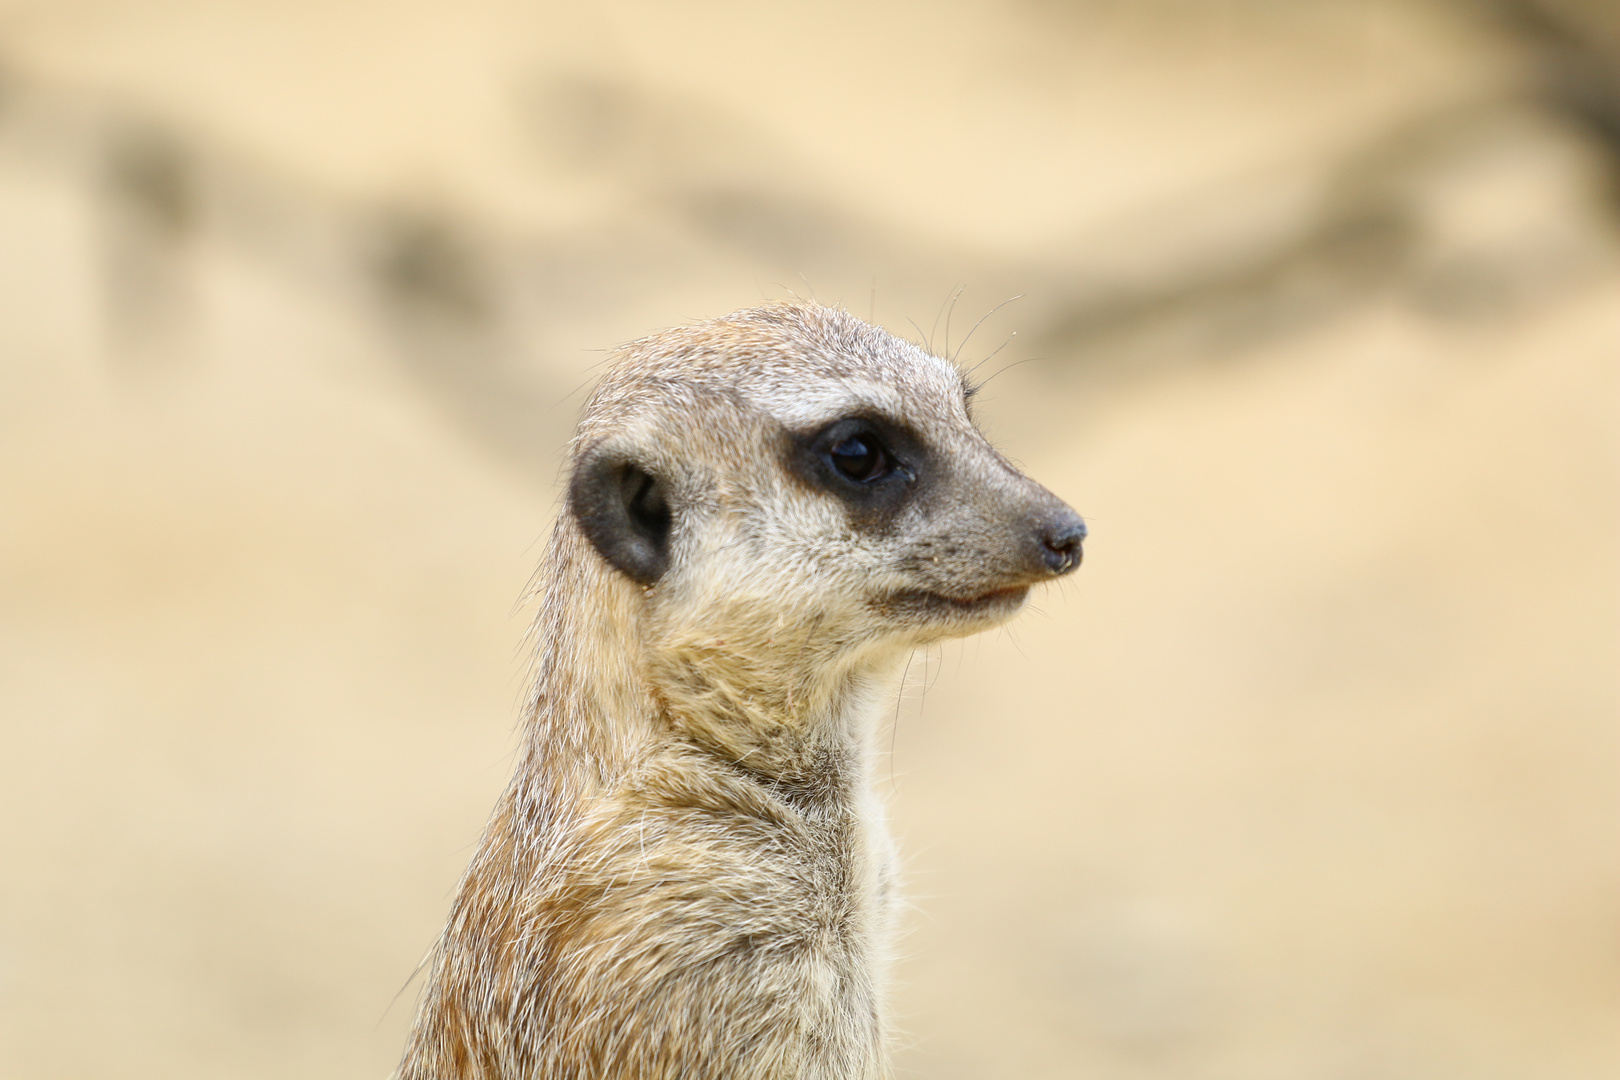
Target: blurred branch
1442, 214
1576, 48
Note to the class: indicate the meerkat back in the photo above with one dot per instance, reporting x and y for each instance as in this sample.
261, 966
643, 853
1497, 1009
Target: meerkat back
688, 874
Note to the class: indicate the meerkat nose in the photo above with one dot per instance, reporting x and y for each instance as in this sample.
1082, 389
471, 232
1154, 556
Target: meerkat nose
1061, 535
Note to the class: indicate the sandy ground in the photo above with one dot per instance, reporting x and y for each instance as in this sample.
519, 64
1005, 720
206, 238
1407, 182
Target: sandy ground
1310, 772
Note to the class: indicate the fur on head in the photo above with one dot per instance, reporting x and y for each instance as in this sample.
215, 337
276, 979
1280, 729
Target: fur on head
792, 480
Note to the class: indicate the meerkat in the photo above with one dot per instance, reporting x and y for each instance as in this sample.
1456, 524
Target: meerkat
689, 875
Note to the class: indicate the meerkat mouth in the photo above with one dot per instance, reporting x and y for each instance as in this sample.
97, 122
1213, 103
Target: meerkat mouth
919, 603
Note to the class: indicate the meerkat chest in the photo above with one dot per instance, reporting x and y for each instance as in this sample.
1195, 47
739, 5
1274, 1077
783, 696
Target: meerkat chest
768, 916
777, 871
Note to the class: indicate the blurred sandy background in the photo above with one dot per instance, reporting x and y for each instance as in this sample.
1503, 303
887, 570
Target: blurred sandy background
1313, 771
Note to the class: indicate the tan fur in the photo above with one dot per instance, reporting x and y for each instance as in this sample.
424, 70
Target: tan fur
688, 875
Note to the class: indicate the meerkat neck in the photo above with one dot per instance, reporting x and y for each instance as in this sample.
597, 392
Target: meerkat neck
775, 700
588, 716
793, 708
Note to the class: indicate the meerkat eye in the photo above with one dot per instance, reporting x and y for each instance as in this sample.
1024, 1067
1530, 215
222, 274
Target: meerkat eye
860, 457
871, 463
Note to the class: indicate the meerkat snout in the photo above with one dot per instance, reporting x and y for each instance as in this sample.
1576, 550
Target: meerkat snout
1062, 534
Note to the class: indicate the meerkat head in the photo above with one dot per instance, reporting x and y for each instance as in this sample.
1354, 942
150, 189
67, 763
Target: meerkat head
793, 477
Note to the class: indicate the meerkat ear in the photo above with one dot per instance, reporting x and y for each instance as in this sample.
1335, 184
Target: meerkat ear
624, 512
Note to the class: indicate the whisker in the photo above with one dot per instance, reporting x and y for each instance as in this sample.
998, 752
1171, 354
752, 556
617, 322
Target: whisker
949, 312
980, 323
1018, 363
922, 338
937, 316
992, 356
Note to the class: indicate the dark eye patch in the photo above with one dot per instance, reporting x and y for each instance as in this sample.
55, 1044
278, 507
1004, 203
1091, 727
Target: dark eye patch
871, 464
